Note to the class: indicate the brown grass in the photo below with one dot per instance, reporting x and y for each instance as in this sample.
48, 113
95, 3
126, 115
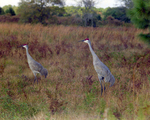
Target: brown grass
72, 89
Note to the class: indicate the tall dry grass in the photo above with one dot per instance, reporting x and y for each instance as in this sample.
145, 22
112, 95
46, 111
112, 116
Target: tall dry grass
72, 89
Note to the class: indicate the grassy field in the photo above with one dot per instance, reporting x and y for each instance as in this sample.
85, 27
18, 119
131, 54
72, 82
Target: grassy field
72, 90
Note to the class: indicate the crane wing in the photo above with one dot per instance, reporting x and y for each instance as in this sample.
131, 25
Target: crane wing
103, 71
35, 66
101, 68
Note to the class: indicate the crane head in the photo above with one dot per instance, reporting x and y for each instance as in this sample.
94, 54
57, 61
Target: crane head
85, 40
24, 45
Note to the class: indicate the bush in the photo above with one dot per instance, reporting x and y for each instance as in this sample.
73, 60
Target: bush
112, 21
9, 18
118, 13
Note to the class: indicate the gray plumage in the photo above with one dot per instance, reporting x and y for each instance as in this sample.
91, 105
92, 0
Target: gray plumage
35, 66
102, 70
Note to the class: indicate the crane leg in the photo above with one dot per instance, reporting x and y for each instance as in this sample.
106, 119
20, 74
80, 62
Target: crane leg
35, 79
101, 79
103, 87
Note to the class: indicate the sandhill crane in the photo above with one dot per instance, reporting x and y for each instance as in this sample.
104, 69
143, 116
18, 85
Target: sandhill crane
34, 66
102, 70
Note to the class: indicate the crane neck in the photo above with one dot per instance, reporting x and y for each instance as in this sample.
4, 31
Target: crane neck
28, 55
93, 53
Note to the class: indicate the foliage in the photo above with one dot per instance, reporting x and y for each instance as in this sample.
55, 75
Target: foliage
15, 9
2, 11
86, 15
38, 11
89, 15
32, 13
46, 2
10, 11
113, 22
145, 38
77, 10
72, 10
6, 7
118, 13
127, 3
57, 2
99, 17
59, 11
88, 4
8, 18
42, 13
140, 16
100, 9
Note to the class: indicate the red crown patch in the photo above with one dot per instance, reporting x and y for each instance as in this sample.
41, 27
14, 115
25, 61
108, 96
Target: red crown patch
87, 39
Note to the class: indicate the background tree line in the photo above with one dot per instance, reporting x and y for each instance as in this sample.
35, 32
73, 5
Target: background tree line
8, 9
34, 13
85, 14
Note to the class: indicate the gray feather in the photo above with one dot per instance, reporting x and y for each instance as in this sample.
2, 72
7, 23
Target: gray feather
34, 65
102, 70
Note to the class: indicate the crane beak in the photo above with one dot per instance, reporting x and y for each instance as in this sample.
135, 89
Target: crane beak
81, 41
20, 46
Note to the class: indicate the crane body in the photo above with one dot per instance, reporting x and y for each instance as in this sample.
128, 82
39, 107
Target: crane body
34, 65
102, 70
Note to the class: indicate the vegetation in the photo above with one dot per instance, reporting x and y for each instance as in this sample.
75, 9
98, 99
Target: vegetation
53, 12
64, 16
140, 17
10, 11
37, 11
127, 3
1, 11
8, 14
72, 89
118, 13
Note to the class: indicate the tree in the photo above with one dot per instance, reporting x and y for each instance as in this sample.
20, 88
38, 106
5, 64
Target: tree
118, 13
2, 11
10, 6
74, 11
140, 17
57, 2
6, 7
11, 11
88, 4
127, 3
15, 9
59, 11
34, 11
89, 15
